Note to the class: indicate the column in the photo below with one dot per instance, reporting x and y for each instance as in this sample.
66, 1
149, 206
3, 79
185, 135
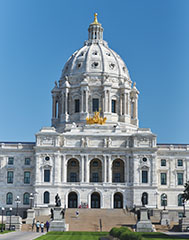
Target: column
37, 169
105, 170
64, 166
86, 101
82, 172
82, 100
127, 169
66, 101
57, 168
53, 107
105, 107
120, 112
87, 169
109, 101
125, 103
109, 169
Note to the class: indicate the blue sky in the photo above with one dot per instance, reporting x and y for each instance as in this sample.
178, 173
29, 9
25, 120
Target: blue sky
38, 36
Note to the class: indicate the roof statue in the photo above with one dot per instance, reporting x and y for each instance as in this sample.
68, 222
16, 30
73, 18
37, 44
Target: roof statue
96, 119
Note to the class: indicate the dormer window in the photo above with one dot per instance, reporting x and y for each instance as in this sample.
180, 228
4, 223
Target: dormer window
94, 65
95, 53
112, 66
78, 65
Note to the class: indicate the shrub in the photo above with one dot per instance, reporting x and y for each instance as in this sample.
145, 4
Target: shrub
1, 226
116, 232
130, 236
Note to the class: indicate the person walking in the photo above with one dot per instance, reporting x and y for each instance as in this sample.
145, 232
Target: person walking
47, 225
42, 226
37, 226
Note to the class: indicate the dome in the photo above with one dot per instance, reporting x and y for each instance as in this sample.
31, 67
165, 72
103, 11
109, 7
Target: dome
95, 57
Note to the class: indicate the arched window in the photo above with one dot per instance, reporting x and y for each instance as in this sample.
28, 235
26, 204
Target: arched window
95, 200
9, 198
113, 106
77, 106
118, 200
180, 200
145, 198
46, 197
72, 200
163, 199
118, 167
26, 199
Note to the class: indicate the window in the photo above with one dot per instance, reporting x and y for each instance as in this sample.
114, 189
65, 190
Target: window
73, 177
46, 175
163, 199
180, 200
163, 162
73, 163
163, 178
180, 178
180, 163
95, 104
132, 110
117, 177
144, 176
27, 177
95, 164
27, 161
77, 106
114, 106
10, 175
10, 161
26, 199
144, 159
95, 177
46, 197
47, 158
117, 164
9, 198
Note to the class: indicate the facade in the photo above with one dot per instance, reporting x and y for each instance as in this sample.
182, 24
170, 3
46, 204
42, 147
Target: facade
109, 165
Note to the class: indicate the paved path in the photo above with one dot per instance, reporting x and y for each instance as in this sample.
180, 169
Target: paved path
20, 235
178, 234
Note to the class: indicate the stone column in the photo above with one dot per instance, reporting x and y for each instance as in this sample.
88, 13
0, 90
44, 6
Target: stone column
125, 103
82, 102
54, 107
64, 166
86, 101
109, 169
82, 168
105, 170
37, 169
57, 167
120, 104
87, 169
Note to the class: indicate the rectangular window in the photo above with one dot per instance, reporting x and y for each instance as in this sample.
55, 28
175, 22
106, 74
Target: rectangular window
73, 177
180, 178
113, 106
27, 161
163, 162
95, 104
117, 177
10, 175
77, 106
180, 163
95, 177
10, 161
144, 176
27, 177
163, 178
46, 175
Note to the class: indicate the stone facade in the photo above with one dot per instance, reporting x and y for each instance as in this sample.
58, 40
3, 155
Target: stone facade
98, 166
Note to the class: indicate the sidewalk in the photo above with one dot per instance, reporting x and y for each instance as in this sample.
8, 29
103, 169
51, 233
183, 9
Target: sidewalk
20, 235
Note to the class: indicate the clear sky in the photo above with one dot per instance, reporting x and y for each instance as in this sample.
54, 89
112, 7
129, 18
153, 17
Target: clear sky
38, 36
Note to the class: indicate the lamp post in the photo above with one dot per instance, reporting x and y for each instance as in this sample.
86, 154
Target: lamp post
2, 210
164, 198
31, 199
17, 201
10, 218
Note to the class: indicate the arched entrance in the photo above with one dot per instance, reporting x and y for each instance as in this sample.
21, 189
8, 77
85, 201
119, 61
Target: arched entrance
73, 170
95, 200
72, 200
95, 171
118, 200
118, 171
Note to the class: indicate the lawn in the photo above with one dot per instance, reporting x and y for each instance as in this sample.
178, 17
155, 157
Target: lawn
73, 236
158, 236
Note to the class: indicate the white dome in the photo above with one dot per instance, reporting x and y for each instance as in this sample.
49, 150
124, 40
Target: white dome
95, 58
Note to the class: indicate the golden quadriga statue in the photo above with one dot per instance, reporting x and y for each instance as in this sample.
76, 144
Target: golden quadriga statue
96, 119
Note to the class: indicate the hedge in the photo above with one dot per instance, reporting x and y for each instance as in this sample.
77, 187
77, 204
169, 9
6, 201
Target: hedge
117, 232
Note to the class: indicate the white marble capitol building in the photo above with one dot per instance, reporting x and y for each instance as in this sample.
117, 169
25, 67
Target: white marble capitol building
106, 161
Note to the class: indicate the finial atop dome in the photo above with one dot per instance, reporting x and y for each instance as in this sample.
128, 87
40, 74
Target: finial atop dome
95, 19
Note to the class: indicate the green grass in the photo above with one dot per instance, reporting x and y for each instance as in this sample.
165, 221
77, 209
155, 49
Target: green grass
73, 236
5, 231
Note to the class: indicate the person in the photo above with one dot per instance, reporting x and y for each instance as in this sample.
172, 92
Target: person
37, 226
33, 224
47, 225
77, 213
42, 226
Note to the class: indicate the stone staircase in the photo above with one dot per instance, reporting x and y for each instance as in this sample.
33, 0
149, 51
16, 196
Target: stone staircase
89, 219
